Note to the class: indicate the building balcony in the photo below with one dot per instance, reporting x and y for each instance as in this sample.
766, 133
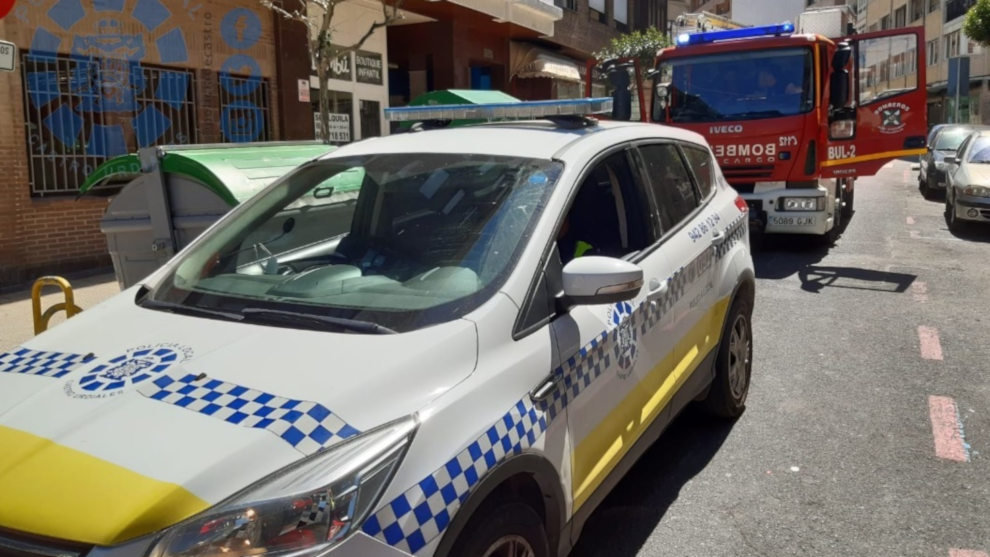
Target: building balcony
957, 8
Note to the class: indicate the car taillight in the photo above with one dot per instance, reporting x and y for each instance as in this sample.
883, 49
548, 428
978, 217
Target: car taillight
741, 204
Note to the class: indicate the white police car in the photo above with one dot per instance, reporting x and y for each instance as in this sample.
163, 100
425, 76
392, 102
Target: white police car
450, 342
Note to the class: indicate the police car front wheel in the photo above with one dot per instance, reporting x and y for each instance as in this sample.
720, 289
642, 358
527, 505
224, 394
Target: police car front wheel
511, 529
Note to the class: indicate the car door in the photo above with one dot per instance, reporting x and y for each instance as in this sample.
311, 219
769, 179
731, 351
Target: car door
691, 235
606, 352
890, 103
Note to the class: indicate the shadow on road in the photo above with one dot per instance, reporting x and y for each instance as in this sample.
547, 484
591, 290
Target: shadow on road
974, 232
815, 278
780, 256
632, 511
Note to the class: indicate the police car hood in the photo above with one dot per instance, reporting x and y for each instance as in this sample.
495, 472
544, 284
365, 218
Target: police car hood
124, 420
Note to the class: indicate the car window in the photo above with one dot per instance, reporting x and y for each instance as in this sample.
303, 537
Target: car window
403, 240
609, 214
961, 151
703, 168
668, 178
950, 139
979, 152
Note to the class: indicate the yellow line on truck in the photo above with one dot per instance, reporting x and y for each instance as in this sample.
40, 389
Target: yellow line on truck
875, 156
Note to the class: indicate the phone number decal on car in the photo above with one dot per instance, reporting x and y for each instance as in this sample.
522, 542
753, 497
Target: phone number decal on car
699, 230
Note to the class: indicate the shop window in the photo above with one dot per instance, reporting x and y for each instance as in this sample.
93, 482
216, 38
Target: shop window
481, 77
244, 109
80, 111
371, 122
341, 126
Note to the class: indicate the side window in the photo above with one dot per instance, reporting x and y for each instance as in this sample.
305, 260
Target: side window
703, 168
670, 183
609, 215
961, 151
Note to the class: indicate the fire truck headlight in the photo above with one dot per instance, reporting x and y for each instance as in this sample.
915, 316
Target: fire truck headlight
842, 129
802, 204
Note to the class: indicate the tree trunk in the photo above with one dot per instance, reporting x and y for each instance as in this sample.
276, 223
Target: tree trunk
322, 71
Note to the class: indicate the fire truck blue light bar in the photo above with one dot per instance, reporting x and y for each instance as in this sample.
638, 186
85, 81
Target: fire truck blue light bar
744, 33
500, 111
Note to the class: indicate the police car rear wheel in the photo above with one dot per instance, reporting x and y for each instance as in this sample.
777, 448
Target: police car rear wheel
733, 366
510, 529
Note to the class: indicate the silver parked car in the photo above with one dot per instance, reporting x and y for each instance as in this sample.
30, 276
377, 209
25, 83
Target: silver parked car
944, 139
967, 195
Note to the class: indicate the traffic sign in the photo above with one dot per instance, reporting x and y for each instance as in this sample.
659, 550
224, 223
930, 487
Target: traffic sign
8, 52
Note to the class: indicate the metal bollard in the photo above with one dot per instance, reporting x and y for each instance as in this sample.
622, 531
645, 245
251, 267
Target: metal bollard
69, 305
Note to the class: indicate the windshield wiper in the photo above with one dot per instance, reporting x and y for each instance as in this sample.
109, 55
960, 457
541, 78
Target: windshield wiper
289, 317
195, 310
754, 114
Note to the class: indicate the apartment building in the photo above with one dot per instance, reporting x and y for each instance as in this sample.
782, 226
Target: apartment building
944, 40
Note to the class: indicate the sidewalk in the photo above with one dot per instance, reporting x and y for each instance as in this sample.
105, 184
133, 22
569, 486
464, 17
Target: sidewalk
16, 324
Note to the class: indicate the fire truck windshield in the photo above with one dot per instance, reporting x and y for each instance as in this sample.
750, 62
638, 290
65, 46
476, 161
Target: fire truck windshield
742, 85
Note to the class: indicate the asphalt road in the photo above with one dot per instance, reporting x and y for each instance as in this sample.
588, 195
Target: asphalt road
836, 452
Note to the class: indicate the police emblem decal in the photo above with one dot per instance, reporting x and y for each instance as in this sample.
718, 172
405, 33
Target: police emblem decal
135, 366
620, 316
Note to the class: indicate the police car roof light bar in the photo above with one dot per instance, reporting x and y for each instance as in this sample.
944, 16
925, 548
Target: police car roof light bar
785, 28
500, 111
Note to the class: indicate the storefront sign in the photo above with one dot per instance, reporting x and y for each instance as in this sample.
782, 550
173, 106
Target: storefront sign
340, 127
8, 52
369, 67
303, 85
341, 67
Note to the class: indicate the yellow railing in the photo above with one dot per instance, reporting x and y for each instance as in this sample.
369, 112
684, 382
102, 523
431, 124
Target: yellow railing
69, 305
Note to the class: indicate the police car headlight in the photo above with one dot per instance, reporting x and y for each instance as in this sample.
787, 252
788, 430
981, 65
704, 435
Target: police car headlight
977, 191
301, 510
802, 204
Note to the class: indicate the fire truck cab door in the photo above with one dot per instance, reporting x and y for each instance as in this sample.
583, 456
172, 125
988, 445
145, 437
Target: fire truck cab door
890, 102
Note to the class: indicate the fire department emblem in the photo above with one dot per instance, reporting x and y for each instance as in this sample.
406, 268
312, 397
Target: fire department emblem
891, 117
135, 366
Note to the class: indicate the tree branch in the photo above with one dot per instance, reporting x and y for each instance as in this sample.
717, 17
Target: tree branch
389, 18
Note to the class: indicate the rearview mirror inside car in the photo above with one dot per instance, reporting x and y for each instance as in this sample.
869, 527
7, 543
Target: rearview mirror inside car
595, 279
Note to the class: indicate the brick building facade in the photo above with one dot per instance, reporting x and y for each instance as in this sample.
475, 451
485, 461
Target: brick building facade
96, 79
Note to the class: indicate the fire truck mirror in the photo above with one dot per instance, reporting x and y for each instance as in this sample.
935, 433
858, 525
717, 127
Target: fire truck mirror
660, 102
841, 57
621, 96
839, 89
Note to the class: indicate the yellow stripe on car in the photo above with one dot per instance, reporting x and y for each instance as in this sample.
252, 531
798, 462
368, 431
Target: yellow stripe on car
56, 491
596, 455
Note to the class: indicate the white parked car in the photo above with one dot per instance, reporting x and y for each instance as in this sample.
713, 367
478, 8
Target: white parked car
449, 342
967, 197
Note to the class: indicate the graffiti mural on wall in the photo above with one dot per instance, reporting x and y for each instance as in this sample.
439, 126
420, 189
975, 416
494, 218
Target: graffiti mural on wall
104, 77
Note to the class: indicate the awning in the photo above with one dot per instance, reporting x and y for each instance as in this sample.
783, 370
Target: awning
529, 61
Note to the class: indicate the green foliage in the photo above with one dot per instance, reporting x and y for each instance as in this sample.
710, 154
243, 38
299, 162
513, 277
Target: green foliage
638, 44
977, 25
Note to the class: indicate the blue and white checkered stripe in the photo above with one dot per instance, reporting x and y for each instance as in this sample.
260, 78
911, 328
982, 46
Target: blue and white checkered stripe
307, 426
416, 517
41, 362
733, 235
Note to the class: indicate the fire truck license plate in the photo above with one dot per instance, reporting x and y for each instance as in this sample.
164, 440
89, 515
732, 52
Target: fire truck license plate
792, 221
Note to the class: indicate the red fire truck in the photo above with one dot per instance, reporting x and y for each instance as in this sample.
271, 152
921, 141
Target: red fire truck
793, 118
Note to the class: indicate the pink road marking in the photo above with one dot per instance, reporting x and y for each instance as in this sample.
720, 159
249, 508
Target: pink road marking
920, 291
931, 348
967, 553
947, 429
910, 220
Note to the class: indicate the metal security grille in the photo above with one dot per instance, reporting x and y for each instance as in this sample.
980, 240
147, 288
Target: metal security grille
244, 109
81, 111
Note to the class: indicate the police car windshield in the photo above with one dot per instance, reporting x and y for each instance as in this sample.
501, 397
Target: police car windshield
744, 85
396, 240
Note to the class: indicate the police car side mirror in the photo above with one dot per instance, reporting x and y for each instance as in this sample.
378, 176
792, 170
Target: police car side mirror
595, 279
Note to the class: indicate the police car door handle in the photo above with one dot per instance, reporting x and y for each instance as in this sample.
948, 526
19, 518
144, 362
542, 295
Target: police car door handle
545, 389
657, 289
718, 238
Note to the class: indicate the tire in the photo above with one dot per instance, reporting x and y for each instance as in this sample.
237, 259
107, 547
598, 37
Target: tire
926, 191
847, 209
733, 363
507, 525
955, 225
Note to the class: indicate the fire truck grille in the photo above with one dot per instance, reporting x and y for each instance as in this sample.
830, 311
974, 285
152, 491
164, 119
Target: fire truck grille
743, 172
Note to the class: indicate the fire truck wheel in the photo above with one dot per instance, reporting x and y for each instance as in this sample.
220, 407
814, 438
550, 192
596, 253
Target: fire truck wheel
847, 209
733, 363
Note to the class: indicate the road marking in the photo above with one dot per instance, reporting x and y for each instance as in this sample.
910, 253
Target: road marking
910, 220
947, 429
931, 347
967, 553
920, 291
